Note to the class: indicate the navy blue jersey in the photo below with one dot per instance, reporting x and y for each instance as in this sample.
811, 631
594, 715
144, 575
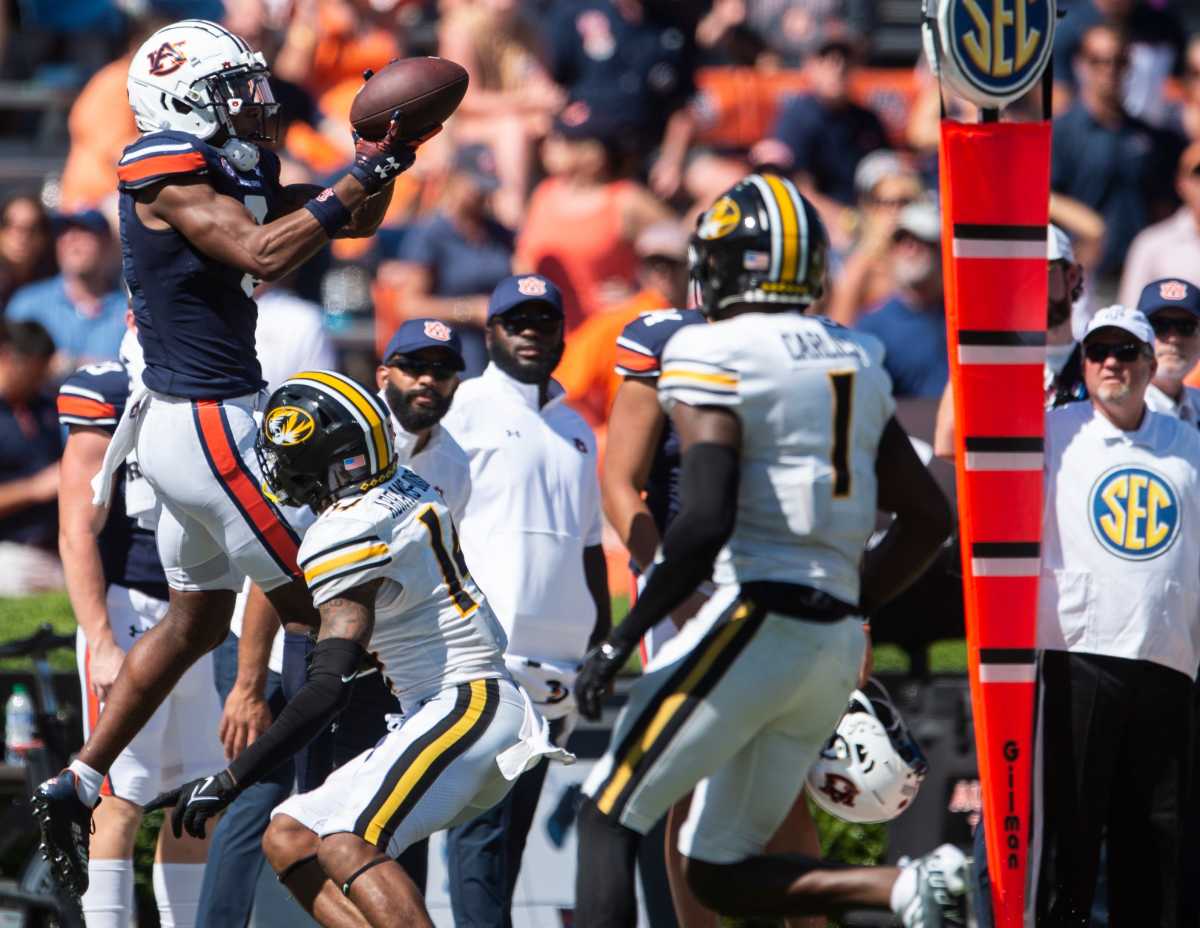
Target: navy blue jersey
95, 396
639, 354
195, 315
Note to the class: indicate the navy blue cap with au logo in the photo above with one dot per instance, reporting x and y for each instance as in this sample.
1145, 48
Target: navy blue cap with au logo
521, 289
1169, 293
417, 334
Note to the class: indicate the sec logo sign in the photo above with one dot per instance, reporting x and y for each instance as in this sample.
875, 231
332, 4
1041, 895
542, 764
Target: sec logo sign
993, 51
1134, 513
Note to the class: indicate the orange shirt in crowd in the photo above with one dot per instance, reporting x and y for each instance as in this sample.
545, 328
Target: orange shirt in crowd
101, 125
342, 52
583, 253
586, 370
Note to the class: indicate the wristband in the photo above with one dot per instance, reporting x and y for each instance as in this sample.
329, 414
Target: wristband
329, 211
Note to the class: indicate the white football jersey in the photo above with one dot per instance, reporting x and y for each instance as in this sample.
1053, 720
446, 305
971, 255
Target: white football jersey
433, 627
813, 399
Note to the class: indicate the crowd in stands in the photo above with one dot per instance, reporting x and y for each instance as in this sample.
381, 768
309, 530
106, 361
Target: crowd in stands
592, 134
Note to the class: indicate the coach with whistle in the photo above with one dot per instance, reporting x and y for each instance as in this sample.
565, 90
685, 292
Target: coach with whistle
1119, 630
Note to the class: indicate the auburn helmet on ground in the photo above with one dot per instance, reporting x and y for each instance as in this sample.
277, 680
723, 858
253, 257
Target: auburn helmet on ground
871, 768
760, 242
323, 437
194, 76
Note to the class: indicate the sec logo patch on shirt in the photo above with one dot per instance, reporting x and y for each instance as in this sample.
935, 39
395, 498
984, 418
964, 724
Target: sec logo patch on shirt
1134, 513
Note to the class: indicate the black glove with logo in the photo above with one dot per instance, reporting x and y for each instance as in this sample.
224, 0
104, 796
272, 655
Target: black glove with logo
600, 667
196, 802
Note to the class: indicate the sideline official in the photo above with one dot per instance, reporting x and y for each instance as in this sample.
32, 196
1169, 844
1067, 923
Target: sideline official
1119, 628
531, 537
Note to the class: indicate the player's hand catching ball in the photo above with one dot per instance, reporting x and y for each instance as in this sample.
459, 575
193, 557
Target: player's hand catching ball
196, 802
600, 667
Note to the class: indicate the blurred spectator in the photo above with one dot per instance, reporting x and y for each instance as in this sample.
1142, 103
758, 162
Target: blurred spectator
584, 218
1155, 51
790, 28
30, 446
1173, 307
1116, 164
1171, 247
450, 263
634, 60
511, 99
1186, 117
911, 323
885, 183
25, 252
587, 368
83, 307
332, 41
820, 137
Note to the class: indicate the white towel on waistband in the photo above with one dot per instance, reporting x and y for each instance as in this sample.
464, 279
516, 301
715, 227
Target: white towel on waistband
535, 744
123, 441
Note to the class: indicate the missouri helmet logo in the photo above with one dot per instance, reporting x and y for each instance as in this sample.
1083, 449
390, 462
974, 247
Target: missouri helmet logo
1134, 513
721, 219
289, 425
993, 51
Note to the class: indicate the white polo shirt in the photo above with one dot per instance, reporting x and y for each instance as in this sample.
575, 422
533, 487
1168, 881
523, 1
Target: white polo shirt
1187, 409
534, 507
1121, 538
442, 462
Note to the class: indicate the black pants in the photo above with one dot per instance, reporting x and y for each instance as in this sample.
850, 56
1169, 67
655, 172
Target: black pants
358, 728
1115, 756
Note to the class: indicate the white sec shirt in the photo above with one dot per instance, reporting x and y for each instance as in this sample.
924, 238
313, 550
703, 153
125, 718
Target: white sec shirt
533, 508
1121, 538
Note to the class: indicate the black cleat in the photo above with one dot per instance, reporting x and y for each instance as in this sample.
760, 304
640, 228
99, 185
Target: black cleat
65, 824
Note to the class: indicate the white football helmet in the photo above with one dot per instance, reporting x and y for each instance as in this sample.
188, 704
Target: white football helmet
194, 76
871, 768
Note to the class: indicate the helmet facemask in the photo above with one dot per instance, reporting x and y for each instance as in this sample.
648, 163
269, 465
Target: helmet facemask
242, 97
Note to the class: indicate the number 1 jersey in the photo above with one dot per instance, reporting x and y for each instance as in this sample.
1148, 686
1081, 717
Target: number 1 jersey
813, 399
433, 627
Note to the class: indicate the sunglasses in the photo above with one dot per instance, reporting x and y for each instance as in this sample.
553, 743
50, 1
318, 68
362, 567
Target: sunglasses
1185, 327
438, 370
543, 323
1107, 61
1125, 352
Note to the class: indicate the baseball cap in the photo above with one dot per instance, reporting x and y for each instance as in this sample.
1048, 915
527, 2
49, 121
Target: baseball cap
836, 33
90, 219
478, 163
521, 289
875, 167
580, 120
1058, 245
416, 334
662, 240
922, 220
1169, 293
1133, 321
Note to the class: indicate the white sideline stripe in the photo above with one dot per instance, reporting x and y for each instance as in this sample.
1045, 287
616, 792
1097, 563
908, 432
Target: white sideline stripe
1004, 460
1006, 566
1007, 673
998, 248
1001, 354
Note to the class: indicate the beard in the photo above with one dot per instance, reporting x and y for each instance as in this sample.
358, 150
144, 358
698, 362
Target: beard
1114, 392
413, 419
913, 271
1172, 365
1057, 312
522, 370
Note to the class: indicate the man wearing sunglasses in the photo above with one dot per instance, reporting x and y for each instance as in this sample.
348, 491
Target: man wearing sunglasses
1173, 307
1119, 632
531, 537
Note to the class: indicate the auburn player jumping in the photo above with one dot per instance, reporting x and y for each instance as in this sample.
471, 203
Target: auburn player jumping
203, 218
789, 444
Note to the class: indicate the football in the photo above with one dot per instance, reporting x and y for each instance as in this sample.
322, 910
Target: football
425, 91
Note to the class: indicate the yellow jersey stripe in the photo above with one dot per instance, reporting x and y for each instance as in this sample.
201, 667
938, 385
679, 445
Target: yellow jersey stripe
666, 710
378, 433
419, 767
791, 231
720, 380
353, 556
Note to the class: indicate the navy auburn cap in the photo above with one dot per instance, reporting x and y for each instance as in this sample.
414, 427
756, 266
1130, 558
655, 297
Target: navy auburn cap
1169, 293
521, 289
417, 334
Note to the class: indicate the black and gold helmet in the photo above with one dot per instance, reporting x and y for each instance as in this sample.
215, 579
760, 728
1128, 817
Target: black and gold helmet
760, 242
323, 437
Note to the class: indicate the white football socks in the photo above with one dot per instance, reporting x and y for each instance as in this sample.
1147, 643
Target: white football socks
87, 782
108, 902
177, 892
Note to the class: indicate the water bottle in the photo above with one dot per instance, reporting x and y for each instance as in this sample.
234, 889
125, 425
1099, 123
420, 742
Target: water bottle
19, 734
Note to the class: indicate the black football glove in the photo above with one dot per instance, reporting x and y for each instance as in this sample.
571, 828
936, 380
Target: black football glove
379, 161
600, 666
196, 802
